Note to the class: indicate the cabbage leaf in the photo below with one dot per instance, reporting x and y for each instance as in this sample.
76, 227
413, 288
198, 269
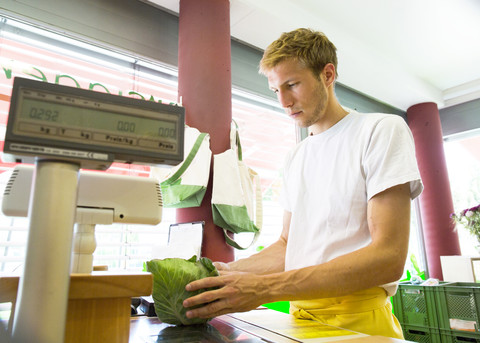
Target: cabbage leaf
170, 276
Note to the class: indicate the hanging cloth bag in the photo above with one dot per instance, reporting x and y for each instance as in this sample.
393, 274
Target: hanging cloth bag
236, 193
185, 185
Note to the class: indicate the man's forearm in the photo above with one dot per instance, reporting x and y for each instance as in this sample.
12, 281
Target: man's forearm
341, 276
269, 260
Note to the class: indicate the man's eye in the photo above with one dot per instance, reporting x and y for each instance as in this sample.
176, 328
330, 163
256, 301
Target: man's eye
290, 85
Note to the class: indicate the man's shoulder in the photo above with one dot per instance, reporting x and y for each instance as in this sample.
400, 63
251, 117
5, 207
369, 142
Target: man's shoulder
373, 120
376, 116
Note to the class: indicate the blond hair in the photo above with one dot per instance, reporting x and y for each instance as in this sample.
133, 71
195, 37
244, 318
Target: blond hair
312, 48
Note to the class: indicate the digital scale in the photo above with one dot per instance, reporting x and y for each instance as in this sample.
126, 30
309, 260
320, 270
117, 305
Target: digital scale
91, 128
62, 129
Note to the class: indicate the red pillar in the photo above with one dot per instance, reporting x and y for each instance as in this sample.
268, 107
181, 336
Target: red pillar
436, 200
204, 87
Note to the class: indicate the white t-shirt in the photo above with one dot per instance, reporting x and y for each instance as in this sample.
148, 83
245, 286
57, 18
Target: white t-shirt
329, 178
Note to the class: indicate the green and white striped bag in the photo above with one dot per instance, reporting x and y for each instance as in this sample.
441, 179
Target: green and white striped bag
236, 194
185, 185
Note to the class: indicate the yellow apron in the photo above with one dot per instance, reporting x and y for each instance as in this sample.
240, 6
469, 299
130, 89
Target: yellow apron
367, 311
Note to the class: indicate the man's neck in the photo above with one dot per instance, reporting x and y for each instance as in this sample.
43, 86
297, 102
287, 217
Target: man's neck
334, 113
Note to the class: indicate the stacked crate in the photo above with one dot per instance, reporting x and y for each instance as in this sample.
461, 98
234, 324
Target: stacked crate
416, 309
459, 308
447, 313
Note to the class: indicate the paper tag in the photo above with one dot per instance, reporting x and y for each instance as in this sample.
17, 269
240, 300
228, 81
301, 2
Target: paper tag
464, 325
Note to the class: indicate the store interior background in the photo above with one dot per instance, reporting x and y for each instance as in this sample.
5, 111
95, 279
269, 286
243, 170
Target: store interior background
392, 55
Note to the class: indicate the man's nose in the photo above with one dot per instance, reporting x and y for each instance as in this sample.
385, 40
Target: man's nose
284, 99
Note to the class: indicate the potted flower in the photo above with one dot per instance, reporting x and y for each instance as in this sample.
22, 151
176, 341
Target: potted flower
470, 219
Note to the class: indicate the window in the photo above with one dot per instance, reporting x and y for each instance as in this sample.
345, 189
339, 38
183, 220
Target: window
462, 155
30, 52
41, 55
266, 136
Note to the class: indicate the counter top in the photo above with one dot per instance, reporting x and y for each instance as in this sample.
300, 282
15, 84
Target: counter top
261, 325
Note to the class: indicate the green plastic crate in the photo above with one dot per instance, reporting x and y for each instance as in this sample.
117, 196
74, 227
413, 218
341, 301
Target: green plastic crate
416, 305
459, 302
421, 334
454, 336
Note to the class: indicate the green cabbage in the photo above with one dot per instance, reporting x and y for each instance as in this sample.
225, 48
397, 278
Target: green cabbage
170, 276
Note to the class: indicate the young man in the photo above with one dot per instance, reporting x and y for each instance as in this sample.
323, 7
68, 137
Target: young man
347, 194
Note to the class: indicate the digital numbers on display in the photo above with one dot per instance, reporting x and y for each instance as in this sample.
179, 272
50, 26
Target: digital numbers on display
167, 133
91, 117
125, 126
43, 114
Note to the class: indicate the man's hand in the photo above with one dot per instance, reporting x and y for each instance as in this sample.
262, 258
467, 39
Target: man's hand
221, 266
238, 292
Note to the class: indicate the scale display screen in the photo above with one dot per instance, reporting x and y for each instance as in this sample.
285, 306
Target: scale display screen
61, 122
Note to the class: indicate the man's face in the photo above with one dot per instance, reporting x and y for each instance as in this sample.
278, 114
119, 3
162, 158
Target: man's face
302, 95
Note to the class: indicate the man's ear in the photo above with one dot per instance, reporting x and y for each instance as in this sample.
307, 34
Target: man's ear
329, 74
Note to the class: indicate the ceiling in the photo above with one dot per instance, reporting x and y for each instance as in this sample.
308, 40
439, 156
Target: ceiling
399, 52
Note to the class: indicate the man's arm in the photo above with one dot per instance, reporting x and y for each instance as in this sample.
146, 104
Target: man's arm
381, 262
269, 260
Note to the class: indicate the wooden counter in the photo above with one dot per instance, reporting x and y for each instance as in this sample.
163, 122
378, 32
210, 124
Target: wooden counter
98, 305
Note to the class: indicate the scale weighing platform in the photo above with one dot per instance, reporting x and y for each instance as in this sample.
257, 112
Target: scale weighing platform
215, 331
256, 326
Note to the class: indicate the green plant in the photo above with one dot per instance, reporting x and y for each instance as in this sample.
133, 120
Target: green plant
416, 272
470, 219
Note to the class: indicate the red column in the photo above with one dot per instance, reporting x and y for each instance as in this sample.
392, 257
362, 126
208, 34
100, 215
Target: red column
204, 86
436, 200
